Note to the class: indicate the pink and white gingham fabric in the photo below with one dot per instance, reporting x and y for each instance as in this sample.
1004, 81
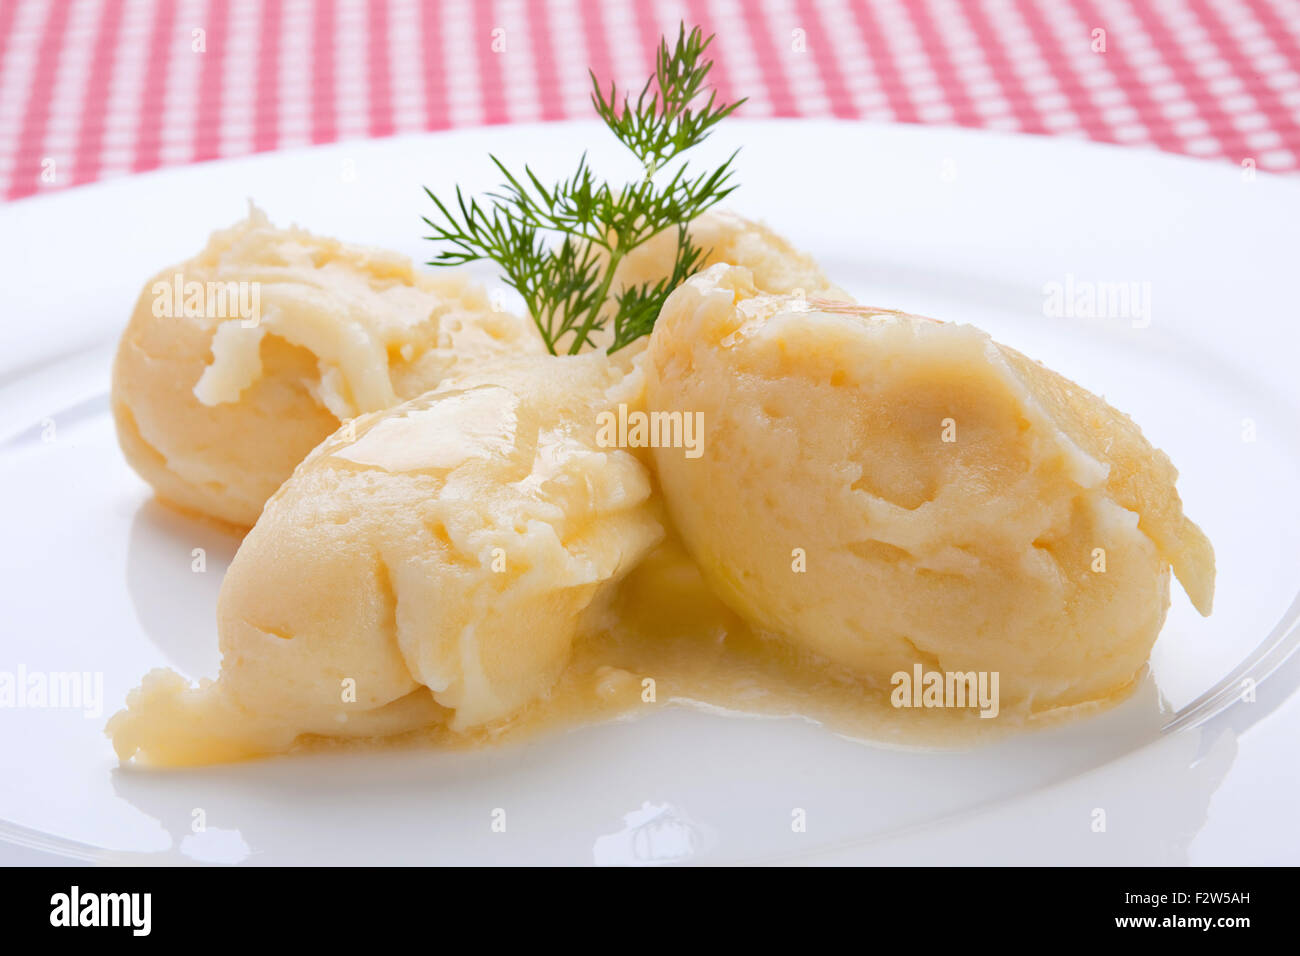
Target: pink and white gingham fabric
91, 89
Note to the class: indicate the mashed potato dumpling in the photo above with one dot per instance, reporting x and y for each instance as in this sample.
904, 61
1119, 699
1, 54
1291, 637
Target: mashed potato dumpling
888, 490
775, 265
723, 236
429, 564
215, 410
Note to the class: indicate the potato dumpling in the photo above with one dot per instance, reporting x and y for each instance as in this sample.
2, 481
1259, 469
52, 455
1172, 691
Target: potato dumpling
238, 362
215, 410
774, 264
429, 564
888, 490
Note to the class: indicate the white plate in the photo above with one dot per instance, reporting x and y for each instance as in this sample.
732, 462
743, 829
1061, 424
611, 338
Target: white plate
97, 578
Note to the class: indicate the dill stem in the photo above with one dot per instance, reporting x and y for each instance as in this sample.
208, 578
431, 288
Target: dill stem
589, 323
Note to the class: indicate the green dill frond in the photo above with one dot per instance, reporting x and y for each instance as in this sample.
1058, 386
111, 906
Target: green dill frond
559, 245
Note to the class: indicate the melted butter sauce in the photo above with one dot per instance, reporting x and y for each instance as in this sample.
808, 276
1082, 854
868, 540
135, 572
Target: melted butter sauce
440, 432
663, 624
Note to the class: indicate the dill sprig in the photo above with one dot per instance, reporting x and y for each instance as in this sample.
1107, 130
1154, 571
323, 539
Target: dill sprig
559, 246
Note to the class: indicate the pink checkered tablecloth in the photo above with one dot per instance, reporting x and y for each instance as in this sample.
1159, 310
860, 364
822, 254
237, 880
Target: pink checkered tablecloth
91, 89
